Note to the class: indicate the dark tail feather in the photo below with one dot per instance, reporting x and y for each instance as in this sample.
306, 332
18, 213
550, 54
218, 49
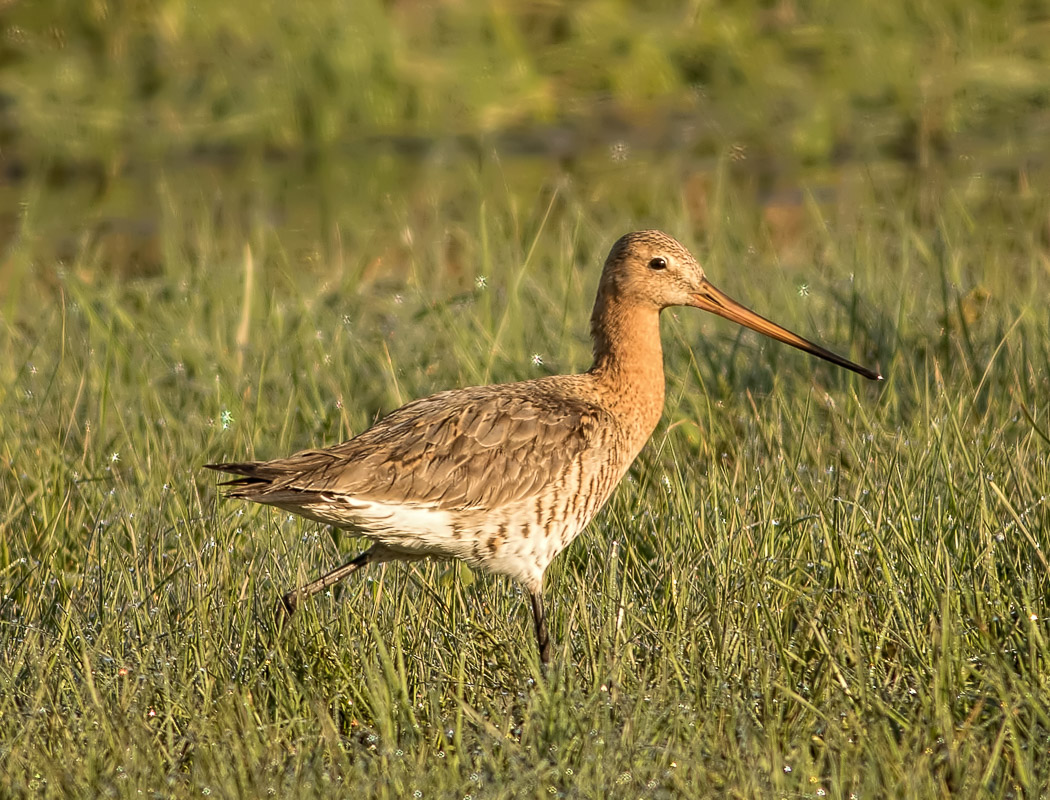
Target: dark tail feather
237, 467
261, 482
254, 473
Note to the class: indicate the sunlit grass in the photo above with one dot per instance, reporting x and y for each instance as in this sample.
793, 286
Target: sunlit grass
242, 232
808, 585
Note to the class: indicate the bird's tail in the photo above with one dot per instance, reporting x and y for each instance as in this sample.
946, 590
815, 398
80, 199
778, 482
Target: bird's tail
262, 482
252, 474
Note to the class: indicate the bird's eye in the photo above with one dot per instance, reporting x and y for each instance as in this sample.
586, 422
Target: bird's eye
658, 263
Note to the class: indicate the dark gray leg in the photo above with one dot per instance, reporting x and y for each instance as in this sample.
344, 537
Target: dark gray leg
291, 600
543, 638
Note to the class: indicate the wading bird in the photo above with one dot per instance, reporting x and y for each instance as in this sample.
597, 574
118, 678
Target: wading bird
505, 476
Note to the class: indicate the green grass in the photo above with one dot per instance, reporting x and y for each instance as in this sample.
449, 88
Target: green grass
104, 82
808, 585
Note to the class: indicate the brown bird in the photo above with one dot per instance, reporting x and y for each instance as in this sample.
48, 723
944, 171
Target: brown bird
505, 476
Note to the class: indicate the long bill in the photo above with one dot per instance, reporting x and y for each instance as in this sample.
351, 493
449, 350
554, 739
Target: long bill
717, 302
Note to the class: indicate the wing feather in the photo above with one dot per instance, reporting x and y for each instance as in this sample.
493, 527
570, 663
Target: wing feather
481, 447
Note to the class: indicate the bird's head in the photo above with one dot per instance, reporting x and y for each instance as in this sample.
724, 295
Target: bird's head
650, 268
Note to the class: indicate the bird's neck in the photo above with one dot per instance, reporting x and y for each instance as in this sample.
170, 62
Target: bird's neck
628, 361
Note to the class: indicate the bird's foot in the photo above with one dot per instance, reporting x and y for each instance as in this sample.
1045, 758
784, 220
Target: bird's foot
288, 603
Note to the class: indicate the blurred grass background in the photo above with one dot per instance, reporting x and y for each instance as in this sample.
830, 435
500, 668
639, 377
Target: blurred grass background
240, 229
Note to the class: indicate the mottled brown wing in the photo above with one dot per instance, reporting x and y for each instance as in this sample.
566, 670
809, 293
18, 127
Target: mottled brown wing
482, 447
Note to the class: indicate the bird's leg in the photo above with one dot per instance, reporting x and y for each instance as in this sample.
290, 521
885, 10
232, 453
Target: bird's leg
543, 638
291, 599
